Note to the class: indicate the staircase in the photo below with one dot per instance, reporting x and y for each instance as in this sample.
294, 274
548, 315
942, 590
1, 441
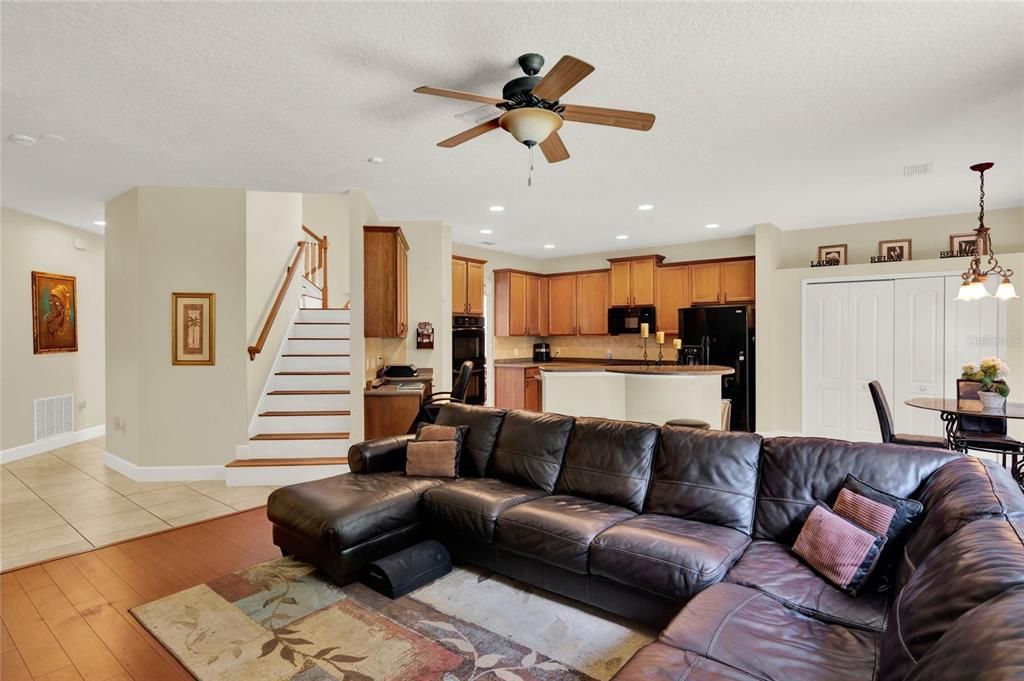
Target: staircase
301, 428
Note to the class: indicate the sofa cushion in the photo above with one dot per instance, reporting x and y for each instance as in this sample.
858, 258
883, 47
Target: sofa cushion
609, 461
772, 568
706, 475
344, 510
659, 662
558, 529
472, 505
478, 446
751, 631
960, 492
798, 472
986, 641
672, 557
982, 560
530, 448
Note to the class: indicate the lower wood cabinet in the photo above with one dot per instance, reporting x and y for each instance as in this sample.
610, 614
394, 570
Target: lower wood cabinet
517, 388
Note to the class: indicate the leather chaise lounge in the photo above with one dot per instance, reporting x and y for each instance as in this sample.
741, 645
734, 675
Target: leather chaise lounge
691, 530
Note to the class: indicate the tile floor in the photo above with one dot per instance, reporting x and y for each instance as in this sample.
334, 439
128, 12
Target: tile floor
65, 501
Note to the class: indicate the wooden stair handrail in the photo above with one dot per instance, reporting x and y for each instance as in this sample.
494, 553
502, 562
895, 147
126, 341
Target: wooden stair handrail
292, 269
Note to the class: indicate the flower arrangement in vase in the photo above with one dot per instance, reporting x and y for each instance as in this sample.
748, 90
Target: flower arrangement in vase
991, 373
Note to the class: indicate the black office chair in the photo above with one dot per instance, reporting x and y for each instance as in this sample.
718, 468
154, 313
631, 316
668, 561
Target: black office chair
432, 404
885, 423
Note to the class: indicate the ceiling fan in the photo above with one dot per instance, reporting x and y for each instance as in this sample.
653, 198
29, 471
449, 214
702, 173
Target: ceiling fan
530, 110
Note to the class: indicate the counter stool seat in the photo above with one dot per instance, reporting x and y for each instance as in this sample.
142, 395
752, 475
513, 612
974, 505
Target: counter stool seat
689, 423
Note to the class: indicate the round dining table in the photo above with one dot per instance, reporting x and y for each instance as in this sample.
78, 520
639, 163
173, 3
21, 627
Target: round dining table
950, 412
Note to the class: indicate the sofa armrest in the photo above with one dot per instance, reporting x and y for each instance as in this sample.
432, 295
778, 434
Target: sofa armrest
382, 455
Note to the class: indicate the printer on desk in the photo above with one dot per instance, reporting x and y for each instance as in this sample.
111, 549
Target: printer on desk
400, 371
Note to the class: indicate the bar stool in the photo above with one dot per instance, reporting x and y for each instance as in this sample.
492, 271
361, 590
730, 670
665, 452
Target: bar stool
689, 423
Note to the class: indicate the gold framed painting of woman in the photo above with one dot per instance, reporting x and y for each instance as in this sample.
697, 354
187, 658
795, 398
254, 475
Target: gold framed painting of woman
193, 329
54, 313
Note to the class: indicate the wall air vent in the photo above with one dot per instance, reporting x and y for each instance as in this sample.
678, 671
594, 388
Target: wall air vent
489, 243
54, 416
919, 169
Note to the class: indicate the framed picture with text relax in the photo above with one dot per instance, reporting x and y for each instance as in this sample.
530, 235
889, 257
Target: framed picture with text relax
193, 329
897, 249
54, 313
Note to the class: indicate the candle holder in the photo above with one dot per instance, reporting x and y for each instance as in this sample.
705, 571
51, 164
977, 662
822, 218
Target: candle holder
647, 363
658, 363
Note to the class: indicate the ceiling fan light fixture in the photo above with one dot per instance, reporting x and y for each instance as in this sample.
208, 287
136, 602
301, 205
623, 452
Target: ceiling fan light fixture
530, 126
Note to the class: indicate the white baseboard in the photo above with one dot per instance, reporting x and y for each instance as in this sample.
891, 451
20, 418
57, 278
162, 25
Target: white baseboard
33, 448
162, 473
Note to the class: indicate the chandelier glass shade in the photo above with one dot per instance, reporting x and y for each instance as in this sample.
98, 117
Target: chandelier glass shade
530, 126
977, 274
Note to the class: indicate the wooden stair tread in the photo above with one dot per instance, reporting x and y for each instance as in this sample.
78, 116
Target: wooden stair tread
321, 339
300, 436
324, 323
316, 354
324, 412
310, 392
316, 461
312, 373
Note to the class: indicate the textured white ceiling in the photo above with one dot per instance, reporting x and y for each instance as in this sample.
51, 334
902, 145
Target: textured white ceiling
797, 114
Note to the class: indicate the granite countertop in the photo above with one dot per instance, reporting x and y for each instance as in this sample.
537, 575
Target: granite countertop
597, 364
425, 374
622, 366
391, 389
673, 369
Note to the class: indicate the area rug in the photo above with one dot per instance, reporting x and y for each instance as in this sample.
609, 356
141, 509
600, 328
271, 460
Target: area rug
284, 621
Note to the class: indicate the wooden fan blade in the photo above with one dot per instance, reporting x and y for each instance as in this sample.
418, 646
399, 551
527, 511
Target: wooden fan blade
455, 94
554, 149
562, 78
634, 120
467, 135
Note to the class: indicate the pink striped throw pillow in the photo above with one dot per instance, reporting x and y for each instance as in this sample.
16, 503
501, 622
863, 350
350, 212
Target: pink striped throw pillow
838, 549
868, 513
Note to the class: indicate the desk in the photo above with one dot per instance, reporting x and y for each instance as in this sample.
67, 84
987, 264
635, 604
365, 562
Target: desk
388, 410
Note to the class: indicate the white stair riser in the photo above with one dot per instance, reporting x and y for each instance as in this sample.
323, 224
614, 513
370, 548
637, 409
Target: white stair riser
303, 424
332, 330
314, 364
280, 475
305, 402
315, 346
310, 382
317, 315
296, 449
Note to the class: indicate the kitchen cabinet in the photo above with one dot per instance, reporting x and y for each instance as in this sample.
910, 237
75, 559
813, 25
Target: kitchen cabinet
705, 282
517, 387
536, 305
467, 285
385, 282
592, 303
632, 280
671, 292
728, 281
520, 304
562, 305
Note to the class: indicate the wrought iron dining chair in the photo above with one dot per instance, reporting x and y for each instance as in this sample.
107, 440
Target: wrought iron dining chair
885, 423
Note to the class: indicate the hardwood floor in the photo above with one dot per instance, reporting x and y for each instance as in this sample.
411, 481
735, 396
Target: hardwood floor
68, 619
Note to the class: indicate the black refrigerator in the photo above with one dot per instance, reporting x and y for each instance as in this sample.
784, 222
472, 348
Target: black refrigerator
724, 335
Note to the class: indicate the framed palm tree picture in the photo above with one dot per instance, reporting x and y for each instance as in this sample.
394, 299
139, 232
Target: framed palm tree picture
193, 329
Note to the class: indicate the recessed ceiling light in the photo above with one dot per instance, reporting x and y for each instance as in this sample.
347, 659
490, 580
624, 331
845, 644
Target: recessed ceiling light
496, 209
645, 206
549, 245
100, 223
487, 231
622, 237
713, 225
375, 159
23, 140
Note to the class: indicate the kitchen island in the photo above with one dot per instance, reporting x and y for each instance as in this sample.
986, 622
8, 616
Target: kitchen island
635, 393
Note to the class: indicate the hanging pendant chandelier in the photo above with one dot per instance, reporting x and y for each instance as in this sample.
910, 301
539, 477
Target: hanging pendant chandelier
973, 286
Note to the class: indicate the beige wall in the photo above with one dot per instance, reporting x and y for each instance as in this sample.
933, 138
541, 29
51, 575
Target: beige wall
732, 247
273, 228
329, 215
176, 239
361, 212
33, 243
779, 292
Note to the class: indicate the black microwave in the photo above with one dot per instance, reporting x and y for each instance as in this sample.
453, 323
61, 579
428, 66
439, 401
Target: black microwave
628, 319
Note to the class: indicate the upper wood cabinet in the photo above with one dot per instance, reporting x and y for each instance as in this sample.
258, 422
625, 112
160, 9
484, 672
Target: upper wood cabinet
562, 305
738, 281
592, 303
730, 281
632, 280
520, 304
467, 285
385, 282
671, 292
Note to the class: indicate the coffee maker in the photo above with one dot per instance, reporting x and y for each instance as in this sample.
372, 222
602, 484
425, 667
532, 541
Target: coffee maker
541, 352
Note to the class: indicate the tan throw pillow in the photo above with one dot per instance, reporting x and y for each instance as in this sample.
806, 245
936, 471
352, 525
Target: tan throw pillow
435, 451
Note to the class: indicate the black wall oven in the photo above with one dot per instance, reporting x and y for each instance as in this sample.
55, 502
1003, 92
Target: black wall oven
468, 344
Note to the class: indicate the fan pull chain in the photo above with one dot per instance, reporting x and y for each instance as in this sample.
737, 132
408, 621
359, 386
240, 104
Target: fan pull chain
529, 177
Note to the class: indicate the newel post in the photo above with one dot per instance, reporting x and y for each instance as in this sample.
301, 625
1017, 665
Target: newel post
323, 255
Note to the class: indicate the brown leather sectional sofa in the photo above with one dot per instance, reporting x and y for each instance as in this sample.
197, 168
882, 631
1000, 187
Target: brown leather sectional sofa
692, 529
